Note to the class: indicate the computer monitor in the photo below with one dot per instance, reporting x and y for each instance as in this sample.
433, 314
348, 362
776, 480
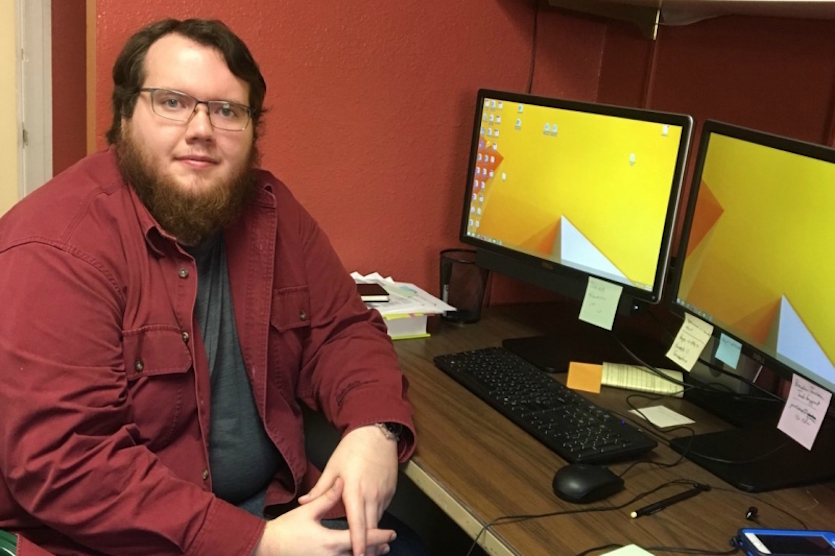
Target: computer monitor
756, 263
559, 191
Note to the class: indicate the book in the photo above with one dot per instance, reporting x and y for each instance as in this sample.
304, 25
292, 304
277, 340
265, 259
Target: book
373, 292
642, 379
404, 326
407, 308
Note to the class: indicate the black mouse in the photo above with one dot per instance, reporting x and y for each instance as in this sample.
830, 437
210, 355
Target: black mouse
582, 483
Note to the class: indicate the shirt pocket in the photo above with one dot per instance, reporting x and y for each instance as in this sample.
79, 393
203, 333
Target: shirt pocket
160, 384
289, 325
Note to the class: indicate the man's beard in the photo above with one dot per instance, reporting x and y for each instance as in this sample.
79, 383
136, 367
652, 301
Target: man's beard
189, 217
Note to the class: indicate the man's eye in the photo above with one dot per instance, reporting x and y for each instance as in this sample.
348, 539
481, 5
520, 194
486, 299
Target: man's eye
227, 111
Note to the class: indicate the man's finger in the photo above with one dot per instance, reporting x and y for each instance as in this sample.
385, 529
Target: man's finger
355, 512
371, 521
327, 500
322, 486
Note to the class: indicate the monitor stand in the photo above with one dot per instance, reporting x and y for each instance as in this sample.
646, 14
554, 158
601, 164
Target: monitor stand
586, 343
737, 409
760, 457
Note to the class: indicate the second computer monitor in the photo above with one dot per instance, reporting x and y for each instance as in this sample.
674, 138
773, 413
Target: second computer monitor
562, 190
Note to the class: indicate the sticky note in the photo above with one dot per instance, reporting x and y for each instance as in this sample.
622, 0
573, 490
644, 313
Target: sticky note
662, 417
804, 411
728, 351
690, 341
600, 303
628, 550
584, 376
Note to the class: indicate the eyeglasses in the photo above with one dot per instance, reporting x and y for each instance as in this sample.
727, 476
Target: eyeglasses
180, 107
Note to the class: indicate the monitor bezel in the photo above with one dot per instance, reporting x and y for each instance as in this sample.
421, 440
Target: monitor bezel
780, 142
554, 276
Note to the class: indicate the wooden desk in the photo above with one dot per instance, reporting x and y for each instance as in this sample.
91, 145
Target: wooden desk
476, 465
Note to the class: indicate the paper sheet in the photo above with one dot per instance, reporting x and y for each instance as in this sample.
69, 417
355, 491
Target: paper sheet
628, 550
662, 417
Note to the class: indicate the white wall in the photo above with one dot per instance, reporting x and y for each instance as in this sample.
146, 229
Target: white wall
8, 99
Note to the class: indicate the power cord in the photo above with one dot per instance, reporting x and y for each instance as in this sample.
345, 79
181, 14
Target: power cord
516, 518
533, 45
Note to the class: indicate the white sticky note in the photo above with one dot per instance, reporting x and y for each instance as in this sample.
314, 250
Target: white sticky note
662, 417
628, 550
600, 303
690, 341
728, 351
804, 411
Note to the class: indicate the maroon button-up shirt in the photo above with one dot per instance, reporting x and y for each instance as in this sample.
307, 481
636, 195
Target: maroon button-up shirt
104, 385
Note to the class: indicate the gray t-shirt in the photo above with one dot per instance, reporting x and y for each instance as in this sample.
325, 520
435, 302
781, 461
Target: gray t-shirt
242, 458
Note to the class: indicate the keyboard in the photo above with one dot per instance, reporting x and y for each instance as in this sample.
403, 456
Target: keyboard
575, 428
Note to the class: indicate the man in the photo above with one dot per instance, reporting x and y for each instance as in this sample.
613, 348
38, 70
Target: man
167, 308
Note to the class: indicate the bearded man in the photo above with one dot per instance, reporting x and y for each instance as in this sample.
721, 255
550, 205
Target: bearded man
168, 308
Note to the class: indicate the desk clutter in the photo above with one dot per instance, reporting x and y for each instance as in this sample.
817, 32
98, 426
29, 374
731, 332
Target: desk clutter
405, 308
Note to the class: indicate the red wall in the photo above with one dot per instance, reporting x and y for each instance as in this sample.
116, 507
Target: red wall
69, 94
372, 102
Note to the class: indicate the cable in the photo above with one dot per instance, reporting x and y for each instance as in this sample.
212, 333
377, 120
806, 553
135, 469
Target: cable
717, 368
705, 386
533, 45
501, 520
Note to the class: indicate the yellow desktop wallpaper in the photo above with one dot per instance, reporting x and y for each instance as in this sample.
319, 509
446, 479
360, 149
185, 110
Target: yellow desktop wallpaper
762, 230
610, 177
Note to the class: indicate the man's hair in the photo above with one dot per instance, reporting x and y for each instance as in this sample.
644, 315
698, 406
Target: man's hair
129, 69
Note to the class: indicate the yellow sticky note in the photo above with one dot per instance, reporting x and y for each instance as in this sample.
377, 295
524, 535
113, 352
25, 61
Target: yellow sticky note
585, 376
690, 341
600, 303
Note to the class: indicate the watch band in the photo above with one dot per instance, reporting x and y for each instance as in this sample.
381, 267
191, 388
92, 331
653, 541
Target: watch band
391, 430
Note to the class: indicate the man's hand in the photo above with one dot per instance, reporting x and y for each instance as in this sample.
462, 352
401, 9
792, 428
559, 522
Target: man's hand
367, 461
299, 532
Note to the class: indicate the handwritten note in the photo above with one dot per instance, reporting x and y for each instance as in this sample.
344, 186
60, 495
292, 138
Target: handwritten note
804, 411
728, 351
600, 303
690, 341
584, 376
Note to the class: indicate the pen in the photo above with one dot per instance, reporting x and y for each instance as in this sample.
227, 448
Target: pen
660, 505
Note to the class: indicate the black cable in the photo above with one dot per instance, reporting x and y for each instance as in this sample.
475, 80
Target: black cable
533, 45
501, 520
766, 502
602, 547
705, 386
718, 369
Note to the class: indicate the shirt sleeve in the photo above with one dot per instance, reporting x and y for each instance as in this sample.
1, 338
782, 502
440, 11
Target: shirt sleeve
350, 369
71, 457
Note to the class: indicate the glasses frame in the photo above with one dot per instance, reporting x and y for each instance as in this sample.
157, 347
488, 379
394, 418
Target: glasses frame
197, 102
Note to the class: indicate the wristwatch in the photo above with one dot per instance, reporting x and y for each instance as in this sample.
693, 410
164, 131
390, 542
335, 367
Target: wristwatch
391, 430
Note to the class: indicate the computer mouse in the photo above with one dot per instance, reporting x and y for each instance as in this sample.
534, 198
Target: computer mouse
582, 483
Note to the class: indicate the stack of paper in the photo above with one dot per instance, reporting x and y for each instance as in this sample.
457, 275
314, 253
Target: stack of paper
407, 308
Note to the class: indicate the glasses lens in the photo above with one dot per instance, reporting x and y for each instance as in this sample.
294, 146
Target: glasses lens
228, 115
172, 105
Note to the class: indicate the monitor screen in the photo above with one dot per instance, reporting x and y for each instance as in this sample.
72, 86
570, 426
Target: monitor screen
560, 190
756, 248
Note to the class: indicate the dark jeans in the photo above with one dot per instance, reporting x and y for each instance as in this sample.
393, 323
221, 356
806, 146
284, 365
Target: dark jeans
407, 543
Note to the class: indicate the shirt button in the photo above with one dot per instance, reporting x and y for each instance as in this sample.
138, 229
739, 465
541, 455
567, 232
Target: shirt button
183, 273
302, 315
185, 337
139, 365
205, 474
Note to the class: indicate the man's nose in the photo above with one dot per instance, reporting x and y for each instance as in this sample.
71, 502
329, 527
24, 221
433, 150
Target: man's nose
200, 125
